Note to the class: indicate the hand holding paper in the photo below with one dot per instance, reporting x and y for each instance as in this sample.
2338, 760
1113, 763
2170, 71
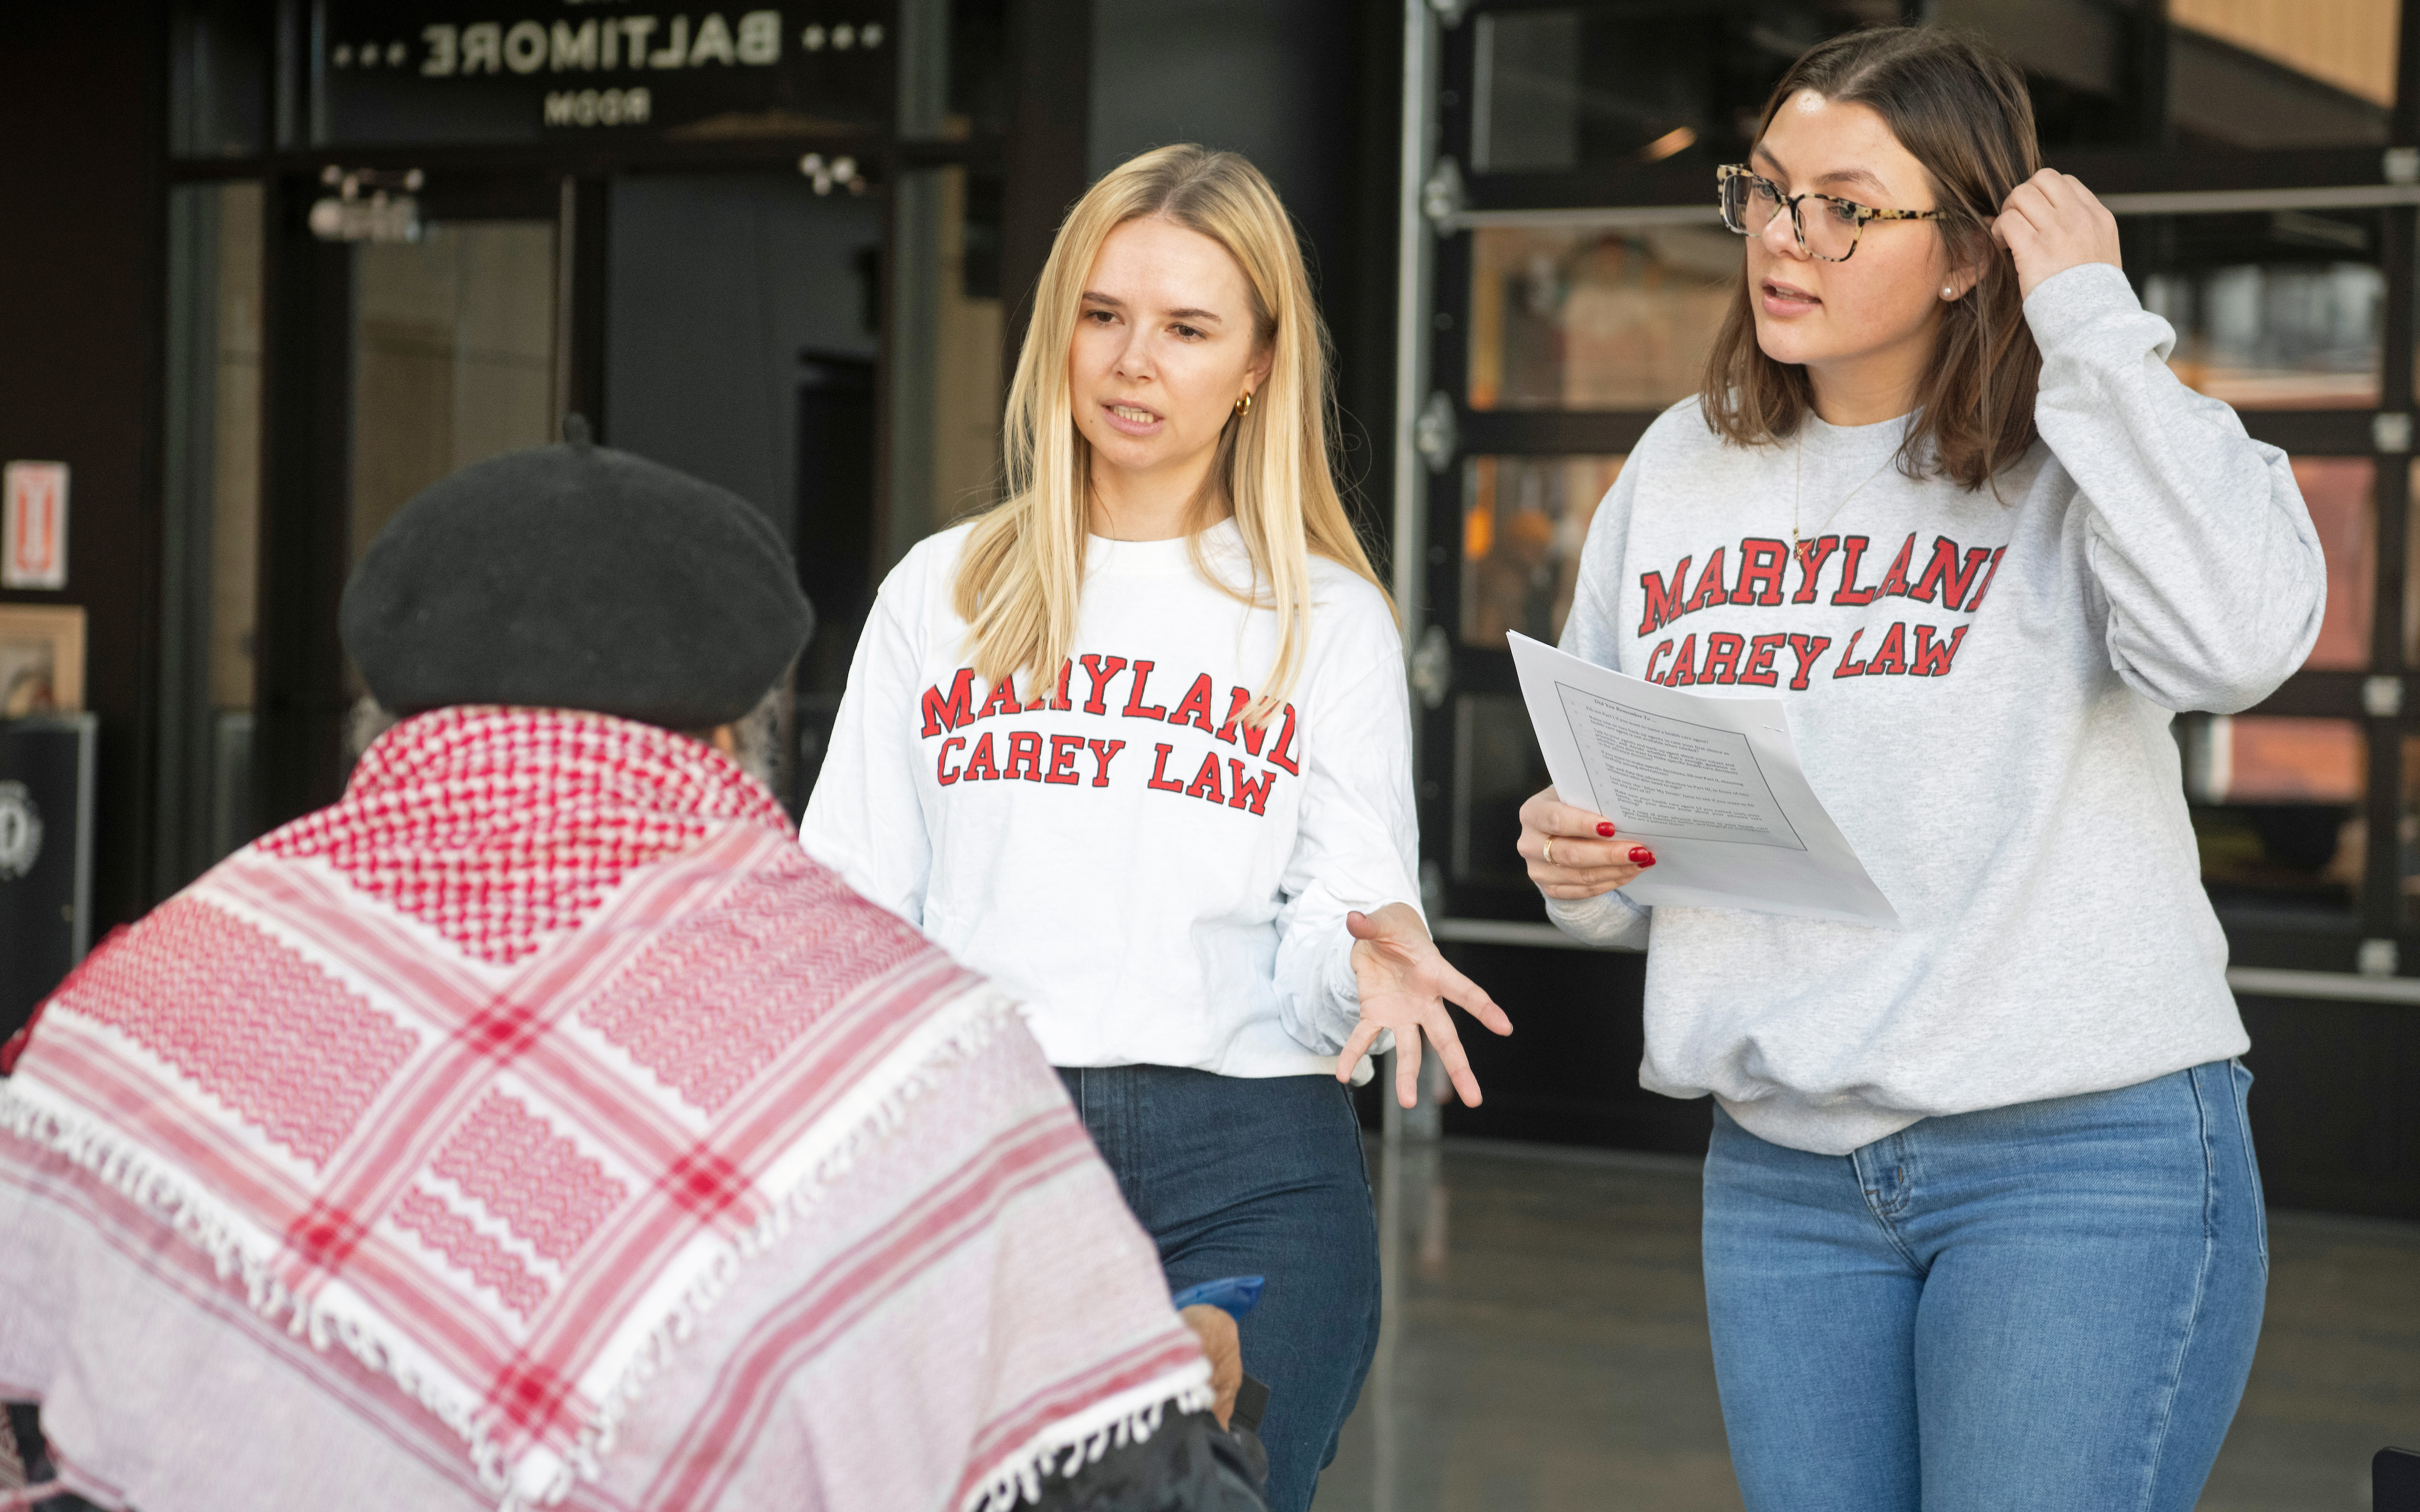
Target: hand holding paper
1711, 785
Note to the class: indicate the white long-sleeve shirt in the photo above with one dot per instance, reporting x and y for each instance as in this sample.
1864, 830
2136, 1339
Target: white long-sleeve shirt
1982, 687
1159, 883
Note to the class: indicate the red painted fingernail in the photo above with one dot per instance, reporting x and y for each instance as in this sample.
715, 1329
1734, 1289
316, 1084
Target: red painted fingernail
1605, 828
1641, 855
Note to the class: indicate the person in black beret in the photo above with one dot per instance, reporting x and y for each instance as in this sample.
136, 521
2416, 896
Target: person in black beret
489, 1132
577, 577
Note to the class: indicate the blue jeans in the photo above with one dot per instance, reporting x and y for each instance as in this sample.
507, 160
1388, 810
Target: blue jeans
2048, 1306
1257, 1176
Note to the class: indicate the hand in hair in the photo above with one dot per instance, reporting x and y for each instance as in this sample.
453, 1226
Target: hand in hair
1405, 984
2050, 223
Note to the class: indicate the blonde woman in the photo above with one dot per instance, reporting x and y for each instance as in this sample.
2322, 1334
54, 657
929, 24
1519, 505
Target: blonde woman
1135, 742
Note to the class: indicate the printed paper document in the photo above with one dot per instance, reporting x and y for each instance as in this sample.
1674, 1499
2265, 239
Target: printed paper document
1710, 783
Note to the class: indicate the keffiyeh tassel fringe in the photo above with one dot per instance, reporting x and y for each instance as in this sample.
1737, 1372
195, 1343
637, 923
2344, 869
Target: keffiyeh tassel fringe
1066, 1447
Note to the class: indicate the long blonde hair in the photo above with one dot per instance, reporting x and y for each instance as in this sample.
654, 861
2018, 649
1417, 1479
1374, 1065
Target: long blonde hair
1023, 569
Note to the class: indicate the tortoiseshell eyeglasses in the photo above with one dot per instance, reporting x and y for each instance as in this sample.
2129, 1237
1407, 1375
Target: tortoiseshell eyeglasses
1750, 202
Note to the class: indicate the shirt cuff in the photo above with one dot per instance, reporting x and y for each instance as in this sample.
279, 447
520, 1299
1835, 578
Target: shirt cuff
1608, 920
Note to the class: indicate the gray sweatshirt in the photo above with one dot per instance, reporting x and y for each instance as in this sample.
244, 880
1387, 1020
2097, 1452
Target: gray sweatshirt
1981, 690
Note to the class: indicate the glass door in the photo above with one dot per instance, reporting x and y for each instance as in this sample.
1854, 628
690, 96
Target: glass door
400, 345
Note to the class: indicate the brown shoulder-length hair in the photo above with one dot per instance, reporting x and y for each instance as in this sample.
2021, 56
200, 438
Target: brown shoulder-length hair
1960, 109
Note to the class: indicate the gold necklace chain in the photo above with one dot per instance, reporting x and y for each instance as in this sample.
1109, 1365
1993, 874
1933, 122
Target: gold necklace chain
1798, 488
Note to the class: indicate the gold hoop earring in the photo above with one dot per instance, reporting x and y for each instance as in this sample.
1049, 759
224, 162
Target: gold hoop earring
1243, 405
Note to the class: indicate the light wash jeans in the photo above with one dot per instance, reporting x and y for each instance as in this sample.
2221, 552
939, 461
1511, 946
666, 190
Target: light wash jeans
2049, 1307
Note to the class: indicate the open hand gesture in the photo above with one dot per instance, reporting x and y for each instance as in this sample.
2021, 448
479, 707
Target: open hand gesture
1405, 984
2050, 223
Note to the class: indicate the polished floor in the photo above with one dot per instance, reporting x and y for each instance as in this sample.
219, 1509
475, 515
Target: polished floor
1545, 1348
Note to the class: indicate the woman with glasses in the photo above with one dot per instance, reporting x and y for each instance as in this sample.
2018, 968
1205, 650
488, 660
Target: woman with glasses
1982, 1222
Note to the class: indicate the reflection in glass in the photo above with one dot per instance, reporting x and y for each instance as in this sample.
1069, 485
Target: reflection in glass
2259, 73
2276, 807
218, 68
2339, 491
2273, 334
1526, 112
210, 527
1524, 520
1497, 767
1609, 88
2407, 829
1587, 319
454, 358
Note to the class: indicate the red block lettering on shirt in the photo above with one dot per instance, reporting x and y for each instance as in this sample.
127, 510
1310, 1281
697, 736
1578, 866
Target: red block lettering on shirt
949, 713
1663, 599
1158, 778
1710, 585
1810, 565
1895, 581
1722, 658
1064, 750
1758, 672
1285, 744
1976, 602
1890, 658
1846, 668
1002, 700
1685, 663
1134, 709
1102, 751
1944, 573
1852, 548
1205, 782
1257, 792
1932, 656
1100, 670
1024, 751
1763, 562
980, 762
941, 767
1195, 709
1239, 699
1806, 648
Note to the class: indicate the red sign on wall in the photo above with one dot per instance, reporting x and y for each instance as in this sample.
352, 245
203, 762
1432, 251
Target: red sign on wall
33, 526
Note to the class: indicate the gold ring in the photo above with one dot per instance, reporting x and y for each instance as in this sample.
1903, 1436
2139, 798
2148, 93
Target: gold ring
1550, 850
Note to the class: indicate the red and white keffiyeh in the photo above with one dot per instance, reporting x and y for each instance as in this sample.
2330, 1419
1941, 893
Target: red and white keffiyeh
502, 1071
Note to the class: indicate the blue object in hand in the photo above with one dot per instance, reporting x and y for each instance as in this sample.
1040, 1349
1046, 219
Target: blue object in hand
1233, 1295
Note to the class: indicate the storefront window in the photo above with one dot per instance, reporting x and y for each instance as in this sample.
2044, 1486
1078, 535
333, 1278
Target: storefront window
1524, 521
2276, 809
211, 526
2341, 492
2261, 74
1594, 319
454, 358
2280, 310
218, 79
1497, 767
1606, 88
2407, 832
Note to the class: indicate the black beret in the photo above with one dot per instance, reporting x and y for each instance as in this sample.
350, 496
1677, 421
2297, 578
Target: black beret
577, 577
